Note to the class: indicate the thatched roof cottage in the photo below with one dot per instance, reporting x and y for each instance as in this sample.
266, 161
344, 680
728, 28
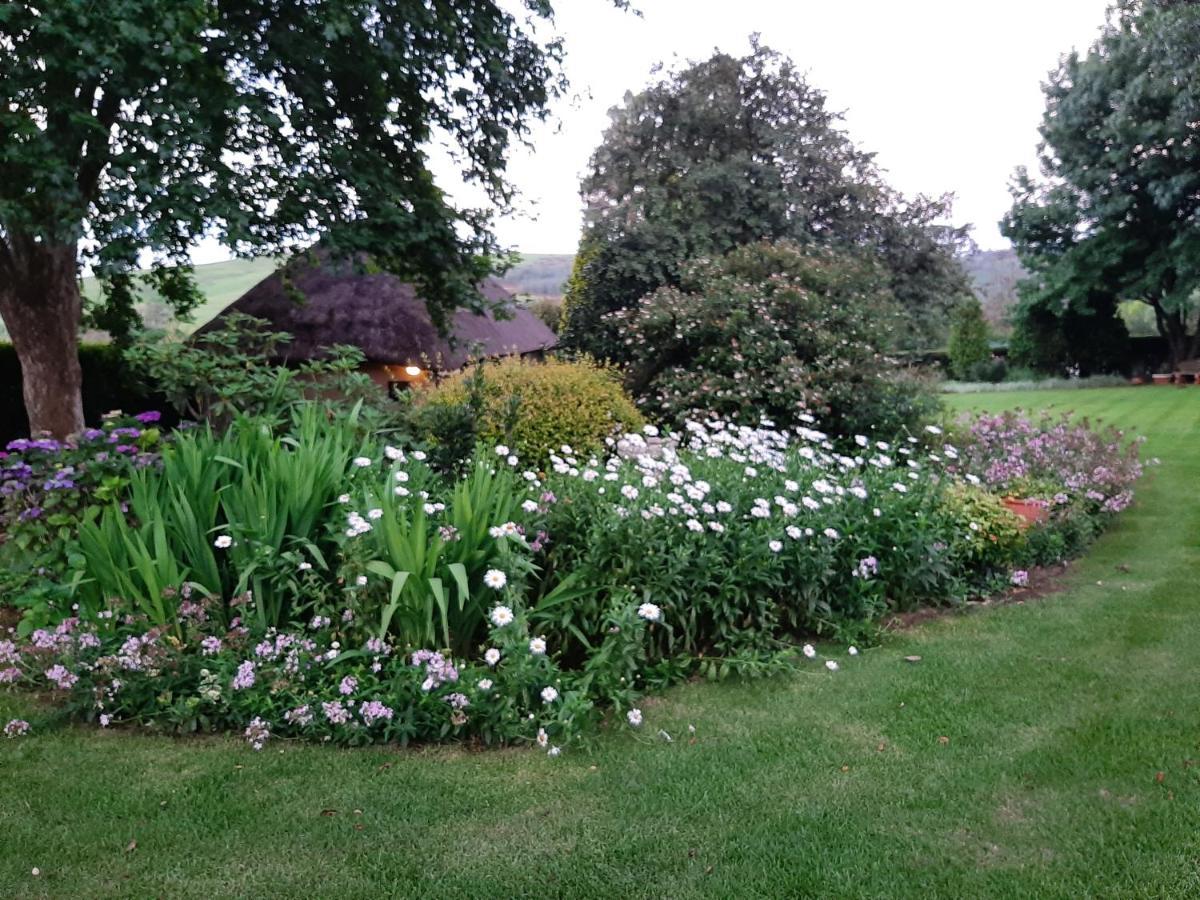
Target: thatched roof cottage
322, 303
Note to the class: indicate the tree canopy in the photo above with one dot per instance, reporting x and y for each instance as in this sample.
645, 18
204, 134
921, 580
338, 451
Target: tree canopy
1114, 214
130, 128
731, 151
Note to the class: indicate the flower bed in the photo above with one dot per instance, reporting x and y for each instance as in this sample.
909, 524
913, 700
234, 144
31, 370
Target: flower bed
302, 582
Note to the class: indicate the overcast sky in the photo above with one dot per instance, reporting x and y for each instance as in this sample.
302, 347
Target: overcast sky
946, 92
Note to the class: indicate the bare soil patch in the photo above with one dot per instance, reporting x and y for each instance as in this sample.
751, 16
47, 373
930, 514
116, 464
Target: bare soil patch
1043, 582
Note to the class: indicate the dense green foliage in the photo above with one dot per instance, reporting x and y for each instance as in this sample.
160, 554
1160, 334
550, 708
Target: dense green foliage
1084, 339
269, 493
549, 310
781, 332
969, 351
536, 407
156, 123
1114, 214
731, 151
238, 370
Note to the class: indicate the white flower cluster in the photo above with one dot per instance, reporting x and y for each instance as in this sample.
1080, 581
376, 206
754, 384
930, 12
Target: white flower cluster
804, 484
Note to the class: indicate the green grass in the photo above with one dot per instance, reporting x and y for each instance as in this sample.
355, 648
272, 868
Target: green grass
1058, 715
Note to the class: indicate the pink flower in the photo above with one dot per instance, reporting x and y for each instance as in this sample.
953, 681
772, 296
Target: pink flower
258, 732
373, 711
245, 676
335, 713
62, 677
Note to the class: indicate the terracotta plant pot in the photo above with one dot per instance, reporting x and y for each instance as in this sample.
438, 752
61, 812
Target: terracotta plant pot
1029, 512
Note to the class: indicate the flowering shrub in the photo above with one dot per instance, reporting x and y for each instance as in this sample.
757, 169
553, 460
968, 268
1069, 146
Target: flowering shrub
48, 488
773, 330
47, 485
743, 538
1055, 460
1081, 475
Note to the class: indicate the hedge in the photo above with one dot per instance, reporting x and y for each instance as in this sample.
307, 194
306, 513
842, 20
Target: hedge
107, 384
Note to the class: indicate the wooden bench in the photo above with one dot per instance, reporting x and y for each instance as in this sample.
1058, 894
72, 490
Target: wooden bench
1188, 371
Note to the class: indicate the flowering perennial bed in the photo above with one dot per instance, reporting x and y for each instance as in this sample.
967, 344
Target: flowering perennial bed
314, 584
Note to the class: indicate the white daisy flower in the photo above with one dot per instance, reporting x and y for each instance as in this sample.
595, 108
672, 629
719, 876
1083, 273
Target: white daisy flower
650, 612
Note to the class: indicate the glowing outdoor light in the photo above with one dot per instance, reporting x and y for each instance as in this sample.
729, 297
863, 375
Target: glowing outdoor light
412, 371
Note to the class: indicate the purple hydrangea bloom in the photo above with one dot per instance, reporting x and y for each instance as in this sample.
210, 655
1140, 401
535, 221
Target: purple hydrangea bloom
245, 676
373, 711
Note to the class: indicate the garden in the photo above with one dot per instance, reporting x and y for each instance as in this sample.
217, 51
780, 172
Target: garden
515, 558
703, 582
971, 762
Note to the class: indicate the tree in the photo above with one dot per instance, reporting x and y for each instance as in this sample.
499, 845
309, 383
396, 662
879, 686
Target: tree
1115, 214
968, 348
130, 128
777, 331
1089, 338
728, 152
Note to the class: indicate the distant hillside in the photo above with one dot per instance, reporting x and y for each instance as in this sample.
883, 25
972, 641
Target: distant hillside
994, 274
540, 274
221, 283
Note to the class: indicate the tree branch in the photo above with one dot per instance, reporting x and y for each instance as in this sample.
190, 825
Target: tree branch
93, 163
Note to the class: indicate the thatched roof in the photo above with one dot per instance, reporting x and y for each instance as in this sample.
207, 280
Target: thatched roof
326, 303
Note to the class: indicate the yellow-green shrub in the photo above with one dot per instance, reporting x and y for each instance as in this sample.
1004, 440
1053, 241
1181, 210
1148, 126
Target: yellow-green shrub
988, 533
536, 407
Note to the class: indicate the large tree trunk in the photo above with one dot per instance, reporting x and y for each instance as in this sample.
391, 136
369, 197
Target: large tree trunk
1172, 327
1178, 342
41, 307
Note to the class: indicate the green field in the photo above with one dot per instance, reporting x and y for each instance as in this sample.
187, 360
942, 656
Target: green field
1037, 750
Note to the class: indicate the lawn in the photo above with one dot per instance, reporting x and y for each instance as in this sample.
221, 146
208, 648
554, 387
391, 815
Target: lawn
1036, 750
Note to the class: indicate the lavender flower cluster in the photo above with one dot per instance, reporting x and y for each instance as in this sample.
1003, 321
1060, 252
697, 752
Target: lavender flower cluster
41, 476
1054, 461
